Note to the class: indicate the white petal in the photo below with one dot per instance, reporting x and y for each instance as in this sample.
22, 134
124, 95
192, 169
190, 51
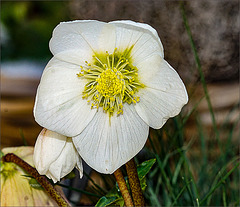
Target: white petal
138, 24
156, 106
76, 41
156, 73
78, 56
75, 35
65, 162
79, 165
142, 36
164, 94
106, 144
59, 105
48, 147
51, 176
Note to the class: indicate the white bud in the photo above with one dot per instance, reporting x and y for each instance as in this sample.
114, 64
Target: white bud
55, 155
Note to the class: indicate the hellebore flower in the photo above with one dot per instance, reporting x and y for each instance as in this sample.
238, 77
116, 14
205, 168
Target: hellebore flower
15, 187
106, 84
55, 155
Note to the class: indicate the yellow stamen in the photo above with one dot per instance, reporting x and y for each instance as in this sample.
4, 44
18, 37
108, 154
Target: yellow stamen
112, 81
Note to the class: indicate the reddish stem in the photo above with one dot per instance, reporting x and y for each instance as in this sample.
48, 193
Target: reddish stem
42, 180
134, 182
123, 187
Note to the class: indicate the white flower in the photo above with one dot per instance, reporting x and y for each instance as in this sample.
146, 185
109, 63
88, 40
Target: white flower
55, 155
106, 84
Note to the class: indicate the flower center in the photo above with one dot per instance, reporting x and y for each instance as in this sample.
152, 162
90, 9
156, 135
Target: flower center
112, 81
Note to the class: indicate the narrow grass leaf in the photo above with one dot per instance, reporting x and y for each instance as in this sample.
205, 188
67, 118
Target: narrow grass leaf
197, 60
23, 137
160, 165
78, 190
96, 185
153, 198
214, 187
177, 170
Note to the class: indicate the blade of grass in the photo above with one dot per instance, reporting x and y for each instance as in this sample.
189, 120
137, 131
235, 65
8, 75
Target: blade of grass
107, 181
192, 110
204, 155
199, 67
197, 201
177, 170
153, 197
215, 186
181, 192
187, 162
231, 112
153, 173
23, 137
203, 143
160, 165
177, 151
229, 138
189, 172
159, 182
96, 190
224, 196
229, 148
185, 119
189, 192
79, 190
166, 198
96, 185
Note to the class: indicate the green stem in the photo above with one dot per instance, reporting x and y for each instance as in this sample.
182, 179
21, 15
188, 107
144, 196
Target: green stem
42, 180
134, 182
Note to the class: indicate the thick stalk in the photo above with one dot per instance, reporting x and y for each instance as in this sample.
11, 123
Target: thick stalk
134, 182
123, 187
42, 180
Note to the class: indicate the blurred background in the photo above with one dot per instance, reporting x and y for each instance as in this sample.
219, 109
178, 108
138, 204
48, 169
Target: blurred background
26, 28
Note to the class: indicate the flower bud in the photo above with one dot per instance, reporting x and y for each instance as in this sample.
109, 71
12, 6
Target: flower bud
55, 155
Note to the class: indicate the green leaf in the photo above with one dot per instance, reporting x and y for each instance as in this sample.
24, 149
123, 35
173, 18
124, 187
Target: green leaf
105, 200
112, 196
143, 184
34, 184
1, 154
119, 202
23, 137
144, 168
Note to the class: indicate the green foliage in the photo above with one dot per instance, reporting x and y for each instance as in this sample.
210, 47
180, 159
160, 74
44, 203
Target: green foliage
111, 198
144, 168
29, 25
181, 178
1, 154
34, 184
23, 137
